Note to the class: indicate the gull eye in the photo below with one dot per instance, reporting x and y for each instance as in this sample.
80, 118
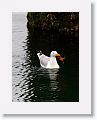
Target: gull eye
52, 52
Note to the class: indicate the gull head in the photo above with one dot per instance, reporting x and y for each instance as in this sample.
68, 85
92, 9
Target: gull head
55, 54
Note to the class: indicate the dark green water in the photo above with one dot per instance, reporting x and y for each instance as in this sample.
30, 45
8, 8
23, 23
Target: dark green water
32, 83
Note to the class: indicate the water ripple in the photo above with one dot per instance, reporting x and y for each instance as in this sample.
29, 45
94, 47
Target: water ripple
31, 83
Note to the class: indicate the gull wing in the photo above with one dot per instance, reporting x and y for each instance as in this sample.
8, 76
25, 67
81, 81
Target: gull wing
44, 60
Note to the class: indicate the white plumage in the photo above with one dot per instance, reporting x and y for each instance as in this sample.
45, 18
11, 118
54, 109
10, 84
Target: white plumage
48, 62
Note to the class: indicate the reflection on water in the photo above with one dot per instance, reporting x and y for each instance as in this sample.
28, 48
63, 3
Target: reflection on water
30, 82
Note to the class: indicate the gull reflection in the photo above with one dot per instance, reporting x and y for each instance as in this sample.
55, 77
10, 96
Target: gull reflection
53, 73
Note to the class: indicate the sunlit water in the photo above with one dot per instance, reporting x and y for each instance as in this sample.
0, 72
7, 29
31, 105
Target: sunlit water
36, 84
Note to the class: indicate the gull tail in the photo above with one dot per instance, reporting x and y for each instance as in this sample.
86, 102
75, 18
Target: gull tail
39, 53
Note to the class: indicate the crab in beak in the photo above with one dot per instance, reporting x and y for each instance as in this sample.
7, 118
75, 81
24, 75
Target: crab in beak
59, 57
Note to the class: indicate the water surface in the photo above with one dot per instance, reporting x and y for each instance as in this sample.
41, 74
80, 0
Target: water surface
32, 83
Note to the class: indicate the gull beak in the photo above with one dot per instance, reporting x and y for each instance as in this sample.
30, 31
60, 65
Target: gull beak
59, 57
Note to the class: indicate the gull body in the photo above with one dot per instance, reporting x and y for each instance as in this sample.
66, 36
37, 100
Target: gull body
48, 62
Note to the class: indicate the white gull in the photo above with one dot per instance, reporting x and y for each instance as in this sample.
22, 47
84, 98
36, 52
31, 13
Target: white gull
49, 62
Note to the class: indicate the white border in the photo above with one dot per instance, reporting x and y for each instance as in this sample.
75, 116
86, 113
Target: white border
81, 107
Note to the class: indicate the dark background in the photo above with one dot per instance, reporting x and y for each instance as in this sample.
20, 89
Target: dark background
57, 31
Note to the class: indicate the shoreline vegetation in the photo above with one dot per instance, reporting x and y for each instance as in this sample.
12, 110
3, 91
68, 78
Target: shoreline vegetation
67, 22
